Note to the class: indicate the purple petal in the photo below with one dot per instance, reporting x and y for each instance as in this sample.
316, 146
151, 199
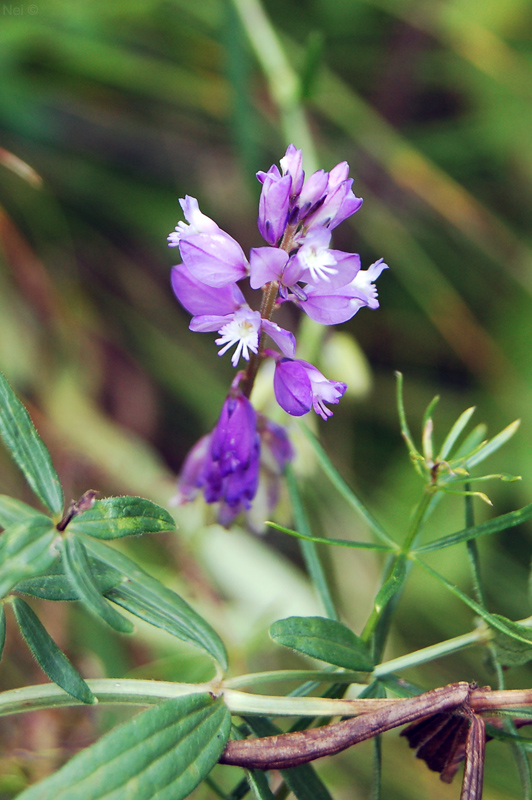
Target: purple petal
266, 264
215, 259
199, 298
284, 340
274, 207
292, 387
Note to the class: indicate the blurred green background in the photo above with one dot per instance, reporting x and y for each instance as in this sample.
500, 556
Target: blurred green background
121, 108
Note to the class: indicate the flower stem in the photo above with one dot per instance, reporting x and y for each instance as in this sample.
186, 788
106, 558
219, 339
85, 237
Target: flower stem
269, 296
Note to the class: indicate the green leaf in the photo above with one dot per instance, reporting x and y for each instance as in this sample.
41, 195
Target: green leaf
260, 787
49, 657
308, 548
115, 517
28, 449
325, 639
56, 586
12, 511
26, 549
454, 433
391, 586
346, 492
512, 650
2, 629
383, 548
500, 523
148, 599
303, 781
78, 571
162, 753
493, 445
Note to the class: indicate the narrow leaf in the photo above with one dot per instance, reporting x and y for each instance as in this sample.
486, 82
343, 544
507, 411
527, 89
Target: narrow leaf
383, 548
500, 523
78, 571
26, 549
391, 585
493, 445
56, 586
344, 490
511, 650
455, 432
325, 639
115, 517
12, 511
308, 548
49, 657
162, 753
28, 449
260, 787
148, 599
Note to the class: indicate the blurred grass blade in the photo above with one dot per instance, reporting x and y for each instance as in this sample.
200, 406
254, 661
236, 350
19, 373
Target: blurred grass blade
148, 599
2, 629
501, 523
344, 490
161, 753
12, 511
325, 639
49, 657
337, 542
28, 449
26, 549
78, 571
115, 517
493, 445
308, 547
455, 432
473, 441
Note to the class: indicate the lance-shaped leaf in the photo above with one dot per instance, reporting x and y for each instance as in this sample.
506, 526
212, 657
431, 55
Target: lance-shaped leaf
26, 549
49, 657
162, 753
147, 598
12, 511
501, 523
115, 517
78, 571
28, 449
56, 586
511, 645
322, 638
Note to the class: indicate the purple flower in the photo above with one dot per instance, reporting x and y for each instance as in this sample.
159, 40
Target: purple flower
208, 252
274, 205
226, 464
299, 386
331, 304
225, 310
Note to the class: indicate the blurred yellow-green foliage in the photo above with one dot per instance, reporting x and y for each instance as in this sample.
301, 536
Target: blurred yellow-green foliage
122, 107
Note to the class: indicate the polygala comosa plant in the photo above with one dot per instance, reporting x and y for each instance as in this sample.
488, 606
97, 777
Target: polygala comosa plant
190, 732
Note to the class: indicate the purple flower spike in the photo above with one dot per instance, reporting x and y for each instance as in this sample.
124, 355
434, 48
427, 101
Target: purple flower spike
225, 464
299, 386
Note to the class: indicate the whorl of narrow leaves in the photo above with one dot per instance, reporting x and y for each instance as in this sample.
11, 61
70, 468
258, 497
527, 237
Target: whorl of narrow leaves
162, 753
28, 450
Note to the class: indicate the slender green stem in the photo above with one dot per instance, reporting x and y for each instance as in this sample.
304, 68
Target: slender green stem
279, 675
430, 653
417, 520
308, 548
